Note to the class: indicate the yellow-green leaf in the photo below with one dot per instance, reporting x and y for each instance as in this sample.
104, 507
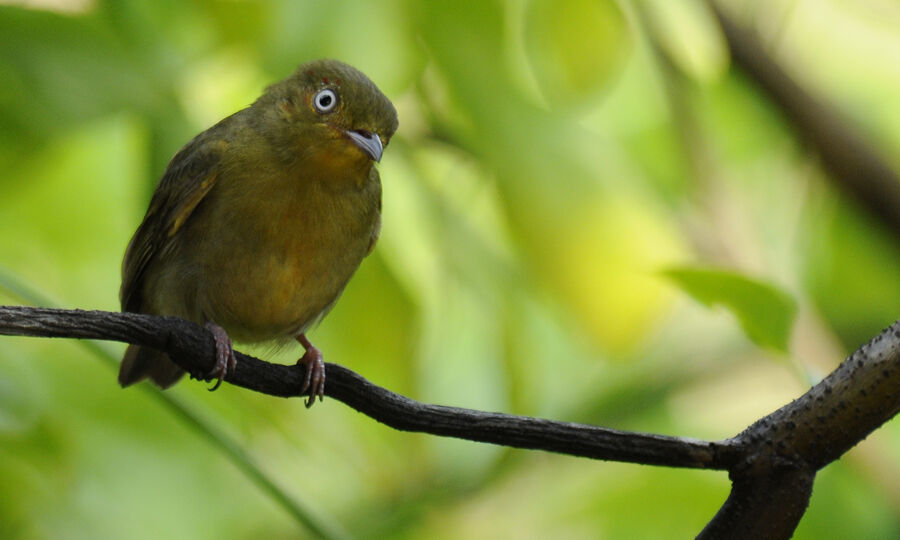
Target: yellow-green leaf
766, 313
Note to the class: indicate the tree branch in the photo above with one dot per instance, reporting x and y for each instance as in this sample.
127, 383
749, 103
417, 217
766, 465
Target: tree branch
771, 486
772, 463
192, 347
768, 504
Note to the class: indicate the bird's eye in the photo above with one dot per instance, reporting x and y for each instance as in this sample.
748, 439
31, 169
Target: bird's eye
325, 100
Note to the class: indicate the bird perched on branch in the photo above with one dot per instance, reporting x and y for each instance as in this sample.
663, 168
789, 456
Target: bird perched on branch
259, 222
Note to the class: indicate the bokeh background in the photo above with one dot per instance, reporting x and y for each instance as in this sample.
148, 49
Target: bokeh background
589, 215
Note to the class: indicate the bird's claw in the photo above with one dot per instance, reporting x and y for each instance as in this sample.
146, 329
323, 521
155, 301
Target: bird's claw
314, 380
225, 359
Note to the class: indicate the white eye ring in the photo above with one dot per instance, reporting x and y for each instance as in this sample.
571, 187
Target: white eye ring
325, 100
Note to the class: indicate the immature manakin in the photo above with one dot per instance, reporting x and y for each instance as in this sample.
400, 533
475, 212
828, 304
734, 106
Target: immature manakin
259, 222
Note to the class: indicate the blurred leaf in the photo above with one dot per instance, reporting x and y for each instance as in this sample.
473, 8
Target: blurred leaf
837, 493
588, 237
575, 49
690, 35
243, 22
765, 312
852, 271
59, 71
376, 37
602, 256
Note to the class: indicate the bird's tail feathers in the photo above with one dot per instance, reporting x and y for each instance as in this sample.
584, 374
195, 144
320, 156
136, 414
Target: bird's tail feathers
143, 362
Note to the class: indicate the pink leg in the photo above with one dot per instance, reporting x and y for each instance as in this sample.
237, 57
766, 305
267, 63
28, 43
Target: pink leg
225, 360
315, 371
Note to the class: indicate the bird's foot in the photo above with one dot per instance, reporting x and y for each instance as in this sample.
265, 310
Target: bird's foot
225, 360
315, 371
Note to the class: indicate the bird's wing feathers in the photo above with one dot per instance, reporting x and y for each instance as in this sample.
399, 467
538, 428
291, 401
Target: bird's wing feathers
189, 177
376, 230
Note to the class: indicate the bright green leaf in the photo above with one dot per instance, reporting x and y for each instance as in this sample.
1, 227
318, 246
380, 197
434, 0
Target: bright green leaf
765, 312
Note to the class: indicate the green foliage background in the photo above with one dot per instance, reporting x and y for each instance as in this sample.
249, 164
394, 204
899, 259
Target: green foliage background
548, 174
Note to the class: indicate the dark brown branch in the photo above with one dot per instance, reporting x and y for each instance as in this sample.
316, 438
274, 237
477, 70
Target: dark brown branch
833, 416
851, 163
772, 463
767, 504
191, 346
773, 482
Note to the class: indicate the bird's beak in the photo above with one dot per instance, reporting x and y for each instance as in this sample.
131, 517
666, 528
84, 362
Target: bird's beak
369, 142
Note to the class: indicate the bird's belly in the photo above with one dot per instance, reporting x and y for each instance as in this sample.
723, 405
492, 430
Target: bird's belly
266, 262
278, 292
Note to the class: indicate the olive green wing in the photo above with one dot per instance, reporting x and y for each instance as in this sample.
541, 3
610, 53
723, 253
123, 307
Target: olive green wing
376, 231
189, 177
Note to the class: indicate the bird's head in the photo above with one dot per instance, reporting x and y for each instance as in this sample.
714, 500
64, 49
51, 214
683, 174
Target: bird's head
328, 105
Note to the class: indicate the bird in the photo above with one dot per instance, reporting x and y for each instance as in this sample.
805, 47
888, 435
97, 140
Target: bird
259, 222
